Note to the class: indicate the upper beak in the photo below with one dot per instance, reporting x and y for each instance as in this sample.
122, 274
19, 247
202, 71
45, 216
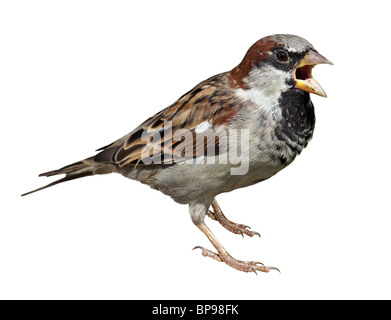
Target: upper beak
303, 76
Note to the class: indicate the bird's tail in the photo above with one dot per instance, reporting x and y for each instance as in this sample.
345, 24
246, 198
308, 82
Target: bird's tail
84, 168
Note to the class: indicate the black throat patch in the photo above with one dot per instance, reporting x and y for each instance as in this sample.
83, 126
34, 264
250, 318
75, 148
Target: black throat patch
298, 119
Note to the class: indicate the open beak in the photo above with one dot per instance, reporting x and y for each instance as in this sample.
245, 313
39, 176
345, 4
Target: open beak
303, 76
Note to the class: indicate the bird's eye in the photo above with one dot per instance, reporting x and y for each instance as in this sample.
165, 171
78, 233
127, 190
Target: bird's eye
282, 56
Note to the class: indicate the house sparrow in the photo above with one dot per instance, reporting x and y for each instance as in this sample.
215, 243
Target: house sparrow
190, 149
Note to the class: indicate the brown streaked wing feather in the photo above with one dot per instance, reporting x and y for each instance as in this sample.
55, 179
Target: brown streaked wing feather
210, 101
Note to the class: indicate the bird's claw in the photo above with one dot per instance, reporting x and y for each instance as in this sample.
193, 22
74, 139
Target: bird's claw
243, 229
240, 229
259, 266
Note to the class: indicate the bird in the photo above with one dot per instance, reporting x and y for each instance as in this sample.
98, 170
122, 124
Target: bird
233, 130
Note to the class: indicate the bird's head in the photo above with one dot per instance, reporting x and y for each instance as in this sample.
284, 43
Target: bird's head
277, 63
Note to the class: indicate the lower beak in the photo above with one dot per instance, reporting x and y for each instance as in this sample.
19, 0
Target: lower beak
303, 76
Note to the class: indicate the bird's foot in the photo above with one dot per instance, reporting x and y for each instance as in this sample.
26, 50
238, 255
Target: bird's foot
245, 266
232, 226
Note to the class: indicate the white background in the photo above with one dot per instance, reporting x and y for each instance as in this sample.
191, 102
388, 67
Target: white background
77, 75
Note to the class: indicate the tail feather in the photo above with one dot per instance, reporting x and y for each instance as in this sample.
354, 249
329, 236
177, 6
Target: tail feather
72, 168
66, 178
73, 171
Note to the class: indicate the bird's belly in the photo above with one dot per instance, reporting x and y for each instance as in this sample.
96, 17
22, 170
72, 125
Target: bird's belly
187, 183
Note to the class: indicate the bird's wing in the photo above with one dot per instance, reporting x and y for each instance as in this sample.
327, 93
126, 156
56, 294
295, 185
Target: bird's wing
174, 132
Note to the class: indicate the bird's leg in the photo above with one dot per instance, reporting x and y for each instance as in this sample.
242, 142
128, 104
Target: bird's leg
223, 256
236, 228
